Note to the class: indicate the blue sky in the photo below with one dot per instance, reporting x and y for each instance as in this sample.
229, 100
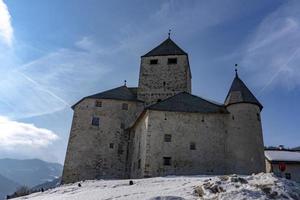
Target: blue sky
55, 52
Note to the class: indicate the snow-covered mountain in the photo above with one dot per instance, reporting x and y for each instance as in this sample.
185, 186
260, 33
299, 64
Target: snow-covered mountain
7, 186
260, 186
32, 172
29, 172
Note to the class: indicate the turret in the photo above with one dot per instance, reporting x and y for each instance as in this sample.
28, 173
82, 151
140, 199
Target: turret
244, 145
164, 72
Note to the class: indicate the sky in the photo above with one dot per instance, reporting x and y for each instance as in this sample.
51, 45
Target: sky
53, 53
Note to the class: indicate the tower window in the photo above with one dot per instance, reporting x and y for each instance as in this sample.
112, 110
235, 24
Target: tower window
192, 146
98, 103
172, 61
258, 116
153, 62
111, 145
124, 106
95, 121
167, 161
168, 138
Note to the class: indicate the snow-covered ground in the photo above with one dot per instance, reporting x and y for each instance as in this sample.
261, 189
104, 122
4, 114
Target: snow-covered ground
260, 186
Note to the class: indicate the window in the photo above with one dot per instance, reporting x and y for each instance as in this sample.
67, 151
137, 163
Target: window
167, 161
172, 61
158, 100
124, 106
139, 164
153, 62
288, 176
122, 125
192, 146
111, 145
258, 116
98, 103
95, 121
168, 138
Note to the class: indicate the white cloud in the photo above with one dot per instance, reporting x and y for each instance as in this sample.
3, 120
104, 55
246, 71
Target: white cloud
6, 29
272, 56
18, 135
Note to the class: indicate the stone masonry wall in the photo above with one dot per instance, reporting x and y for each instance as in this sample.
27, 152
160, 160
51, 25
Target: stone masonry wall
205, 130
99, 151
244, 144
163, 80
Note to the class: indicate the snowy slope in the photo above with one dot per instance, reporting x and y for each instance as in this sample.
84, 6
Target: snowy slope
261, 186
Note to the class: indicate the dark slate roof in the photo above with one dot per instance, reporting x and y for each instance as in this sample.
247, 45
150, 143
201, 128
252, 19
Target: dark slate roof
245, 95
185, 102
119, 93
167, 47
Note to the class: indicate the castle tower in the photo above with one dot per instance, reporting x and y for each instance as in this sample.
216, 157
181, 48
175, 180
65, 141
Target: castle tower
244, 146
164, 72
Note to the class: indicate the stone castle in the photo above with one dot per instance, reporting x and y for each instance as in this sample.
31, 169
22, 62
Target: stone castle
159, 128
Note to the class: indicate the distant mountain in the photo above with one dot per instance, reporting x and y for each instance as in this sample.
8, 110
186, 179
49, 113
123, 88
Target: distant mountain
29, 172
7, 186
47, 185
297, 148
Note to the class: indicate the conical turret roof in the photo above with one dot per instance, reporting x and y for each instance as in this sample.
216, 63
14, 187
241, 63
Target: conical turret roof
167, 47
239, 93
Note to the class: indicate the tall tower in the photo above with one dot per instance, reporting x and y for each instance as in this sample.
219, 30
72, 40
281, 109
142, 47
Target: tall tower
164, 72
244, 145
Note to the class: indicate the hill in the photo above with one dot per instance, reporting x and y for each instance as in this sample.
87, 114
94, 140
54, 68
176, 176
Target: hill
260, 186
7, 186
29, 172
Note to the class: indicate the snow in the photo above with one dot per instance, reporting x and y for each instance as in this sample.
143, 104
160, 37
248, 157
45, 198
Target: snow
282, 155
260, 186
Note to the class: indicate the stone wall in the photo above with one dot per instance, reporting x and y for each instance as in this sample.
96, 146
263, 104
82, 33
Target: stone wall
244, 144
163, 80
206, 131
99, 151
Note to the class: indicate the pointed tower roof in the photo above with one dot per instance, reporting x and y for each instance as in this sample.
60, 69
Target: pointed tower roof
239, 93
167, 47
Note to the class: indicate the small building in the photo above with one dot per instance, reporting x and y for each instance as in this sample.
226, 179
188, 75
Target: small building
287, 160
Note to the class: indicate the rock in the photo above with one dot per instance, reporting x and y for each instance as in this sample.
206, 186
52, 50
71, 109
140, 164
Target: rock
238, 180
199, 191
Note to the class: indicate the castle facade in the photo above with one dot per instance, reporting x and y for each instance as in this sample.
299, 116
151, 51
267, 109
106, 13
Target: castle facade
159, 128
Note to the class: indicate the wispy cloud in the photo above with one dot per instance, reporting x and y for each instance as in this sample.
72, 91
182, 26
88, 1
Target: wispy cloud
272, 56
6, 29
22, 135
50, 83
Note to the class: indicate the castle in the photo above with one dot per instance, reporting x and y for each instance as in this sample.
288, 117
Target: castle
159, 128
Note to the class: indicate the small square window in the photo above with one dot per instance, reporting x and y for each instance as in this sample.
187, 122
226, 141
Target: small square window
98, 103
95, 121
124, 106
192, 146
172, 61
111, 145
122, 125
167, 161
288, 176
168, 138
153, 62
